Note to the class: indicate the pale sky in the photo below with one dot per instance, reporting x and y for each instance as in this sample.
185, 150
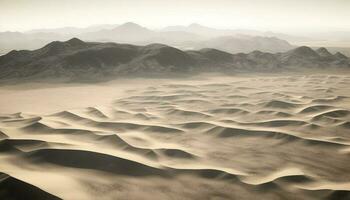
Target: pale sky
267, 15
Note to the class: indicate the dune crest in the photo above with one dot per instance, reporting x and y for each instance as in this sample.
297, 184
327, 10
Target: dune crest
239, 137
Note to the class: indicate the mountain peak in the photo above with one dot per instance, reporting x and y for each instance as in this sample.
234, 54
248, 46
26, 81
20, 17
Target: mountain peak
75, 42
340, 55
304, 51
196, 25
323, 52
130, 25
132, 28
322, 49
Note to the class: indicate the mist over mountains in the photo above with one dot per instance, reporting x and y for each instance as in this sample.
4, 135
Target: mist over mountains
130, 49
193, 36
78, 60
187, 100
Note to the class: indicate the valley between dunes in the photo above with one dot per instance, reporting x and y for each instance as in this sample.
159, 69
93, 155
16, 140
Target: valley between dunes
209, 137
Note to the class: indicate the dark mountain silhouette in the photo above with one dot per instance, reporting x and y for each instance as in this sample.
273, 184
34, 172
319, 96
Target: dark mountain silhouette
303, 52
76, 59
339, 55
301, 56
17, 40
323, 52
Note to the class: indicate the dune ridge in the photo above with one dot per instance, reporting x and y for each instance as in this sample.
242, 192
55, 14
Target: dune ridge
219, 137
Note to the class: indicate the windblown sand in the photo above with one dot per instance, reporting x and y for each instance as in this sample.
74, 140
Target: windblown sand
248, 137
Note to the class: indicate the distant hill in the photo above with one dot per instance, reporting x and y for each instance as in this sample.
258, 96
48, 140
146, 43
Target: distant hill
200, 30
75, 30
17, 40
128, 32
245, 44
194, 37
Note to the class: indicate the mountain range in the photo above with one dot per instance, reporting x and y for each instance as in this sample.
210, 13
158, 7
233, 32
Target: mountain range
78, 60
193, 37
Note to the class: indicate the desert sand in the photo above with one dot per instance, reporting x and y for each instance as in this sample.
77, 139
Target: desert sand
218, 137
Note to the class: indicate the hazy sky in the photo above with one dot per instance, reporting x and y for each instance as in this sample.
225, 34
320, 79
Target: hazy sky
274, 15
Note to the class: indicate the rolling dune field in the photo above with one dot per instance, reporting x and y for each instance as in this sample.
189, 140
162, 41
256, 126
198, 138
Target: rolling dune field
239, 137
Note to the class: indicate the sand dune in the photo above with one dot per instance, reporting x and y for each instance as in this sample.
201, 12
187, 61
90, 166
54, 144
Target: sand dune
12, 188
239, 137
